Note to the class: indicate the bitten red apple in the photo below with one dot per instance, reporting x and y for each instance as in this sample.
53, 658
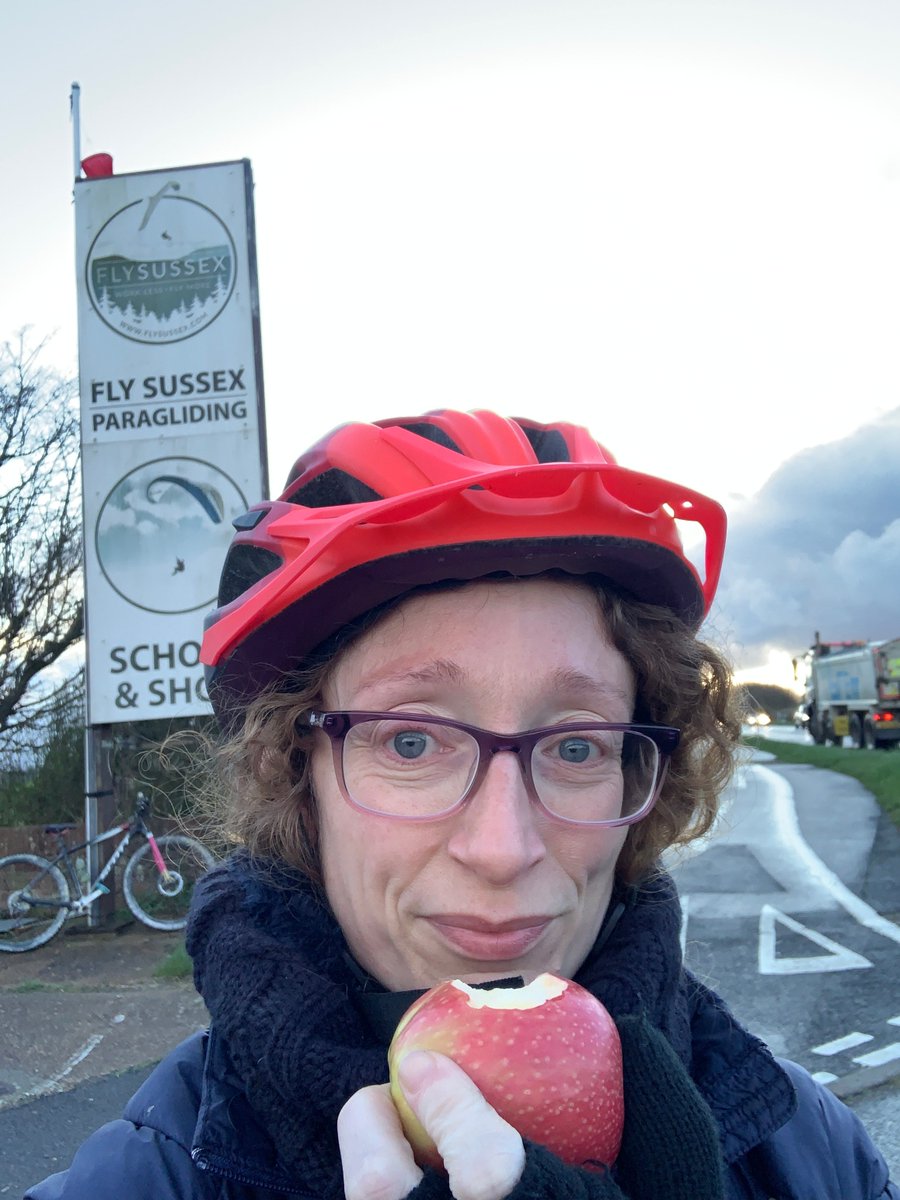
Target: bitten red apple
546, 1056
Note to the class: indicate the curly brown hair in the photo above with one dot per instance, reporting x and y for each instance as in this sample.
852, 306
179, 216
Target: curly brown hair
262, 796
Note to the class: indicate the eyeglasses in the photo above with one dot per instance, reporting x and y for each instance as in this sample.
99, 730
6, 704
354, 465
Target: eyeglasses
419, 768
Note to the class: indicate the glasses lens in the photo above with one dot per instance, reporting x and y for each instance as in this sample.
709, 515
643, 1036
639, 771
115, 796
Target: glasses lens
408, 768
595, 774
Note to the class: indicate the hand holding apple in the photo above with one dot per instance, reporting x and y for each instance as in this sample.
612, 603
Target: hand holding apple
483, 1155
545, 1056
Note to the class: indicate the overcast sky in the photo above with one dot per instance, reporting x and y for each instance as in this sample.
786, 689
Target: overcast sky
673, 220
818, 549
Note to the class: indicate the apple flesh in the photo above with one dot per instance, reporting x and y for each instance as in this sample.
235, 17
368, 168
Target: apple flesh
546, 1056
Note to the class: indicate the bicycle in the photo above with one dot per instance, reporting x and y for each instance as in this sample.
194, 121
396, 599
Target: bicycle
38, 895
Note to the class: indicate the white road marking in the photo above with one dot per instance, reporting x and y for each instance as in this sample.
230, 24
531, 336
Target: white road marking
788, 831
824, 1077
838, 958
79, 1056
52, 1084
876, 1057
771, 833
843, 1043
765, 824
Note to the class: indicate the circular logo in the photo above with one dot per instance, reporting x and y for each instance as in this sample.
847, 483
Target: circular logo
161, 269
163, 532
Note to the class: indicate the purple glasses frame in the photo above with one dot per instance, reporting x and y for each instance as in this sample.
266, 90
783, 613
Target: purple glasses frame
338, 724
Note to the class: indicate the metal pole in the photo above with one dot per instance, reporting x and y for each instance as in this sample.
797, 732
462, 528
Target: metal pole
91, 824
75, 109
99, 814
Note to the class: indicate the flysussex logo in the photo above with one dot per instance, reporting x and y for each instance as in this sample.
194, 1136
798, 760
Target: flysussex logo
161, 269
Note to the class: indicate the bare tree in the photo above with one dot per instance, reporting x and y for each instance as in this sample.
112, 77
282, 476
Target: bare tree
41, 610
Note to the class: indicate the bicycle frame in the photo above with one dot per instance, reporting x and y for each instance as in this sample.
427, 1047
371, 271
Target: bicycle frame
81, 899
157, 881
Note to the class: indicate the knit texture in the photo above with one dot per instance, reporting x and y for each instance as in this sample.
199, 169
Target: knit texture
670, 1144
269, 963
272, 967
639, 970
544, 1178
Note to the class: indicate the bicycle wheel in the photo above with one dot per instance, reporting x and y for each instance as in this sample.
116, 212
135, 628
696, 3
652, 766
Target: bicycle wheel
34, 898
162, 901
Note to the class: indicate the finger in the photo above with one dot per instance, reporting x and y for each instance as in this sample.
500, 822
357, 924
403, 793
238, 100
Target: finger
483, 1154
376, 1158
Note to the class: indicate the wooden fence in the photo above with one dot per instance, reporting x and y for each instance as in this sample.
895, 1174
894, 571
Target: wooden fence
31, 839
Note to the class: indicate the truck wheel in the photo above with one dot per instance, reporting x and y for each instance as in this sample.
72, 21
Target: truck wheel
856, 731
870, 741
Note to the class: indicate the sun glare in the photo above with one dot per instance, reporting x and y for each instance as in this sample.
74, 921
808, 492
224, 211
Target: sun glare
777, 669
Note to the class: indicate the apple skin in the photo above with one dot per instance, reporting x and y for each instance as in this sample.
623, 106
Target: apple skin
552, 1069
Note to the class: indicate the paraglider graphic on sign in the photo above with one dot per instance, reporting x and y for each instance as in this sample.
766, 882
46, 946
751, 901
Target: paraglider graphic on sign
162, 533
207, 497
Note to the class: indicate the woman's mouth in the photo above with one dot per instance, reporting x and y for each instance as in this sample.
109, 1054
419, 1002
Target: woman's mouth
488, 941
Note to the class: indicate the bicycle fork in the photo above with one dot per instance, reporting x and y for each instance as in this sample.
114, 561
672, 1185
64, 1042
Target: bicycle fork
171, 881
166, 875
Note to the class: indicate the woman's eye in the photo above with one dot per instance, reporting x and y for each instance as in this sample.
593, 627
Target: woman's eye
574, 750
410, 743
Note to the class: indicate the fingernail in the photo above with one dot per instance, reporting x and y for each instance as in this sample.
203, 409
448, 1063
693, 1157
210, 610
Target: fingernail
416, 1070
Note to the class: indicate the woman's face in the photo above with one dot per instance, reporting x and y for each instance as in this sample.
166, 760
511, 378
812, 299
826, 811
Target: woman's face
497, 888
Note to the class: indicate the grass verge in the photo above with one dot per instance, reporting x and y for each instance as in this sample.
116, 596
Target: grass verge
877, 770
176, 964
35, 985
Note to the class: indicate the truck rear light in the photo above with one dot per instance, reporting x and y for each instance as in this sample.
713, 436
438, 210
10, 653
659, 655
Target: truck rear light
882, 716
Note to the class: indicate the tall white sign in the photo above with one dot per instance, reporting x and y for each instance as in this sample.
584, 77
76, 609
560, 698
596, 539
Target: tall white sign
173, 434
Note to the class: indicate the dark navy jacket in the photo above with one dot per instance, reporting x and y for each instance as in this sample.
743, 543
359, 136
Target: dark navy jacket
190, 1134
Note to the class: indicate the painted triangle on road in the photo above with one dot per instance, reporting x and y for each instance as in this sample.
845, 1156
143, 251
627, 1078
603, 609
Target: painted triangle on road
838, 958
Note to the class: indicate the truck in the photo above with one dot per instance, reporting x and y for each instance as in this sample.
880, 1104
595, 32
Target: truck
853, 690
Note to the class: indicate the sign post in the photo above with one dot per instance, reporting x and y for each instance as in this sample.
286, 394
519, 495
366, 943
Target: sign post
172, 421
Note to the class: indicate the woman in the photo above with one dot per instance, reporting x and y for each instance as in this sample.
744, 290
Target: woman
466, 710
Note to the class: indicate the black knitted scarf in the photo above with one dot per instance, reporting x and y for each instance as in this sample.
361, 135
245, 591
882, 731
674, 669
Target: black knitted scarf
273, 969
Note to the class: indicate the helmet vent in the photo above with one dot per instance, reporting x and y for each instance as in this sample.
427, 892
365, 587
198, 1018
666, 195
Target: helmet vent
434, 434
244, 566
549, 445
331, 489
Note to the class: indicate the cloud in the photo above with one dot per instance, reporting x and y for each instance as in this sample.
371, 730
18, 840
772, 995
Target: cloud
818, 549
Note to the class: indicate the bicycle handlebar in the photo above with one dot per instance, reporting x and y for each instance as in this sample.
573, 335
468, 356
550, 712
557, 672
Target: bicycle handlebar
143, 803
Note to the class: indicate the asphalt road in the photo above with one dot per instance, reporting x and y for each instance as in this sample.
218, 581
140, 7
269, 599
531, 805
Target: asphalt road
792, 913
41, 1137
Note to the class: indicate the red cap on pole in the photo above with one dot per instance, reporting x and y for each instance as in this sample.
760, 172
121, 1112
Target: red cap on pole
97, 166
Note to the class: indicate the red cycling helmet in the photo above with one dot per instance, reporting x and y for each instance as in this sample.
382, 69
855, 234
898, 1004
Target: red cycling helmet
373, 511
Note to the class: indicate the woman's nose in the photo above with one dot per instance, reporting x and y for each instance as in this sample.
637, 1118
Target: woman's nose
497, 834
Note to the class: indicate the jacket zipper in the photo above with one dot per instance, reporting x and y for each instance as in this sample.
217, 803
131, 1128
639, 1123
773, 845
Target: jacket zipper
203, 1163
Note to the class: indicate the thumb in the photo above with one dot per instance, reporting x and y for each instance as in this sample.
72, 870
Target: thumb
482, 1154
